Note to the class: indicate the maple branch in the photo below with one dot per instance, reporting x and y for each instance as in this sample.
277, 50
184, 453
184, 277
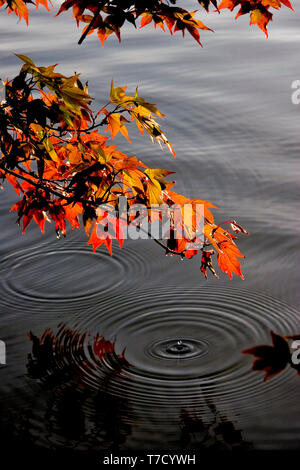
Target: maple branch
104, 120
85, 174
92, 127
35, 183
70, 199
86, 32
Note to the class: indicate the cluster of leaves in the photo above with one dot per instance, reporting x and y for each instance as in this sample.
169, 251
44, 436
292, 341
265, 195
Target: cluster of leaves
107, 17
259, 10
55, 157
274, 359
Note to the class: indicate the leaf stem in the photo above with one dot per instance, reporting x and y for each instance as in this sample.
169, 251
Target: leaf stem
86, 32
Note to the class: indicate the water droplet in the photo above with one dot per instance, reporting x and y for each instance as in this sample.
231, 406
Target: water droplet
178, 348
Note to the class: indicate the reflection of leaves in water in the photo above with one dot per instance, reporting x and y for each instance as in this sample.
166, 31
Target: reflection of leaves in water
218, 433
77, 373
273, 359
62, 356
74, 409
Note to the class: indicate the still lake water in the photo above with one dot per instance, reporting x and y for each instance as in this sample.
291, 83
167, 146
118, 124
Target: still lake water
237, 138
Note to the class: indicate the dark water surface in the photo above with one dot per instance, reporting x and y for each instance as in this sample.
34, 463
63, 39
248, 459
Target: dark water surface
237, 138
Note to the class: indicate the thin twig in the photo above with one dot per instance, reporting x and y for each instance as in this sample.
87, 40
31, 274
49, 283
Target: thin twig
86, 32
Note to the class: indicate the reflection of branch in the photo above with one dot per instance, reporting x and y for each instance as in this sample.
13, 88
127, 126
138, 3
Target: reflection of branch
61, 356
220, 433
60, 364
74, 407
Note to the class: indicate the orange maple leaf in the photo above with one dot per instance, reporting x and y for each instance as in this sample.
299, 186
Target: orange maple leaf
261, 18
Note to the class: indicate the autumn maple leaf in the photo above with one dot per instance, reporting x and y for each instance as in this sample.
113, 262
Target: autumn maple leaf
271, 359
258, 9
261, 17
106, 229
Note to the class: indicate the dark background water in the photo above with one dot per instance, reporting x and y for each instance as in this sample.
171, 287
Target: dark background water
236, 135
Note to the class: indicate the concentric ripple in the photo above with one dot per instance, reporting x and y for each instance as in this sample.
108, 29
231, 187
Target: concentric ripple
210, 328
69, 271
